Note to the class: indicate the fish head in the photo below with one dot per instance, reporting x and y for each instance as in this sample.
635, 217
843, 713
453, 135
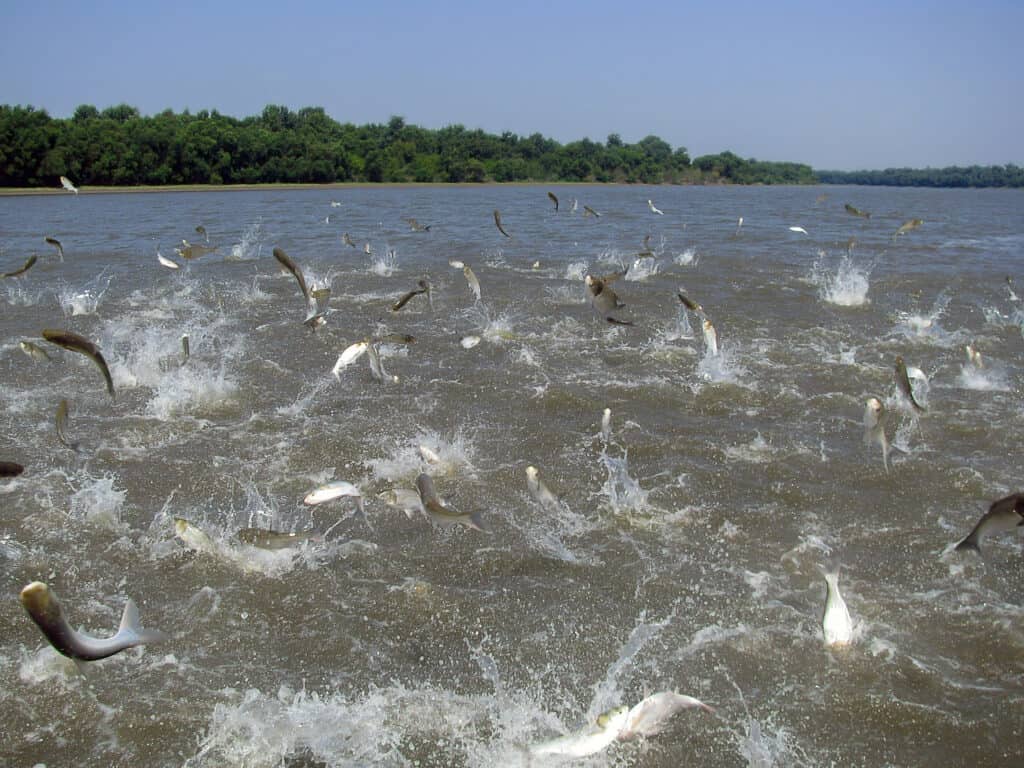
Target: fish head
181, 525
531, 473
613, 717
40, 602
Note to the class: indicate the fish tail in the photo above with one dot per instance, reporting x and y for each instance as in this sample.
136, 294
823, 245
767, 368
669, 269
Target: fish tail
476, 522
130, 623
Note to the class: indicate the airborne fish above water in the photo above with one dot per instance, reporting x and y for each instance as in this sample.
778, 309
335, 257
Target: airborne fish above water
56, 244
440, 512
194, 537
497, 223
856, 211
554, 200
167, 262
1005, 514
907, 226
347, 240
415, 226
424, 287
25, 268
836, 625
540, 492
34, 351
591, 740
287, 262
874, 427
903, 384
80, 344
201, 230
603, 299
66, 183
650, 204
710, 338
588, 211
474, 284
650, 716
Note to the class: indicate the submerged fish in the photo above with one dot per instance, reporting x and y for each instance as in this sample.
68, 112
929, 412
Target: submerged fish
540, 492
650, 716
497, 223
45, 611
551, 196
23, 269
856, 211
590, 740
874, 428
34, 351
80, 344
1004, 514
66, 183
10, 469
193, 536
56, 244
835, 622
61, 424
440, 512
907, 226
903, 384
710, 338
265, 538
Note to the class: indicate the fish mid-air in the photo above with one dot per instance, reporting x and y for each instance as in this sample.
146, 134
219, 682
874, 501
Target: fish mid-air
61, 424
710, 338
1005, 514
34, 351
856, 211
907, 226
554, 199
588, 741
56, 244
588, 211
650, 716
540, 492
439, 512
836, 625
80, 344
603, 299
497, 223
45, 611
874, 428
66, 183
903, 384
801, 230
423, 287
194, 537
23, 269
654, 208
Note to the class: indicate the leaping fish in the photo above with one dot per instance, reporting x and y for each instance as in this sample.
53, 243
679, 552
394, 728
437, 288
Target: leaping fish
34, 351
56, 244
798, 229
710, 338
603, 299
404, 499
590, 740
82, 345
346, 238
654, 209
907, 226
903, 384
606, 425
874, 427
1003, 515
474, 284
184, 348
540, 492
835, 622
588, 211
201, 230
415, 226
497, 223
61, 424
66, 183
287, 262
554, 199
690, 304
25, 268
45, 611
440, 512
193, 536
424, 287
352, 353
650, 716
167, 262
856, 211
334, 490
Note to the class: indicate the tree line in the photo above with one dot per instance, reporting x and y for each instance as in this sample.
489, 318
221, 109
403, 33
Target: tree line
119, 146
954, 176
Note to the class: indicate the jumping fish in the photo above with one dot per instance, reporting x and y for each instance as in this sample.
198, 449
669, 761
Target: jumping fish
193, 536
588, 211
574, 206
710, 338
497, 222
654, 209
650, 716
287, 262
61, 423
424, 287
428, 454
606, 425
331, 491
346, 238
540, 492
367, 250
25, 268
45, 611
739, 225
440, 512
415, 226
167, 262
690, 304
468, 342
34, 351
10, 469
265, 538
352, 353
903, 384
603, 299
77, 343
907, 226
551, 196
474, 284
456, 263
190, 251
835, 622
56, 244
377, 366
184, 348
404, 499
590, 740
798, 229
201, 230
1004, 514
874, 428
856, 211
66, 183
974, 356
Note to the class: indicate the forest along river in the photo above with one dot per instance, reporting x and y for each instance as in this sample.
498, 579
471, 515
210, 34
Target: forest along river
684, 549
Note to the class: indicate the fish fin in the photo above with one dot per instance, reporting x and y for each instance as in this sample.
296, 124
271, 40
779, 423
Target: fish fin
130, 623
476, 522
969, 543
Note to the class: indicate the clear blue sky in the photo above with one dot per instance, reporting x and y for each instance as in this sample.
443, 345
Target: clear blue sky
839, 86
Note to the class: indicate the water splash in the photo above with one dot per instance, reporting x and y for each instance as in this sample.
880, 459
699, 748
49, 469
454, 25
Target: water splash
687, 258
624, 494
85, 300
98, 502
251, 245
385, 265
847, 286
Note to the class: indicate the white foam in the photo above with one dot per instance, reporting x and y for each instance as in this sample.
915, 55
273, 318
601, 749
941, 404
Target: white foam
847, 286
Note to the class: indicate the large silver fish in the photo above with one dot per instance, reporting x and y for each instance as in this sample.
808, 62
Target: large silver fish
474, 284
588, 741
66, 183
710, 338
190, 251
56, 244
650, 716
836, 625
61, 424
404, 499
440, 512
604, 300
874, 427
497, 223
34, 351
287, 262
45, 611
540, 492
194, 537
82, 345
23, 269
1005, 514
903, 384
907, 226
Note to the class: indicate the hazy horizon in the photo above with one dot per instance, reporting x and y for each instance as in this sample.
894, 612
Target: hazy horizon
889, 85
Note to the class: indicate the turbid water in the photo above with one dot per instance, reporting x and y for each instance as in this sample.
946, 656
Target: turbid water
683, 552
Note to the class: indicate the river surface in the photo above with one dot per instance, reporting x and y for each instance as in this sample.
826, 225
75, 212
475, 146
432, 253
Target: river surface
686, 546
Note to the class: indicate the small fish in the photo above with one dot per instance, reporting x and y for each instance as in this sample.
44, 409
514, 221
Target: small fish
574, 206
497, 223
907, 226
201, 230
287, 262
56, 244
415, 226
540, 492
856, 211
367, 250
335, 204
903, 384
590, 740
331, 491
606, 425
397, 338
61, 423
424, 287
974, 357
603, 299
798, 229
352, 353
346, 238
468, 342
874, 427
25, 268
167, 262
66, 183
193, 536
710, 338
440, 512
651, 205
34, 351
835, 621
404, 499
551, 196
45, 611
184, 348
428, 454
690, 304
474, 284
650, 716
265, 538
1003, 515
588, 211
739, 224
456, 264
76, 343
10, 469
